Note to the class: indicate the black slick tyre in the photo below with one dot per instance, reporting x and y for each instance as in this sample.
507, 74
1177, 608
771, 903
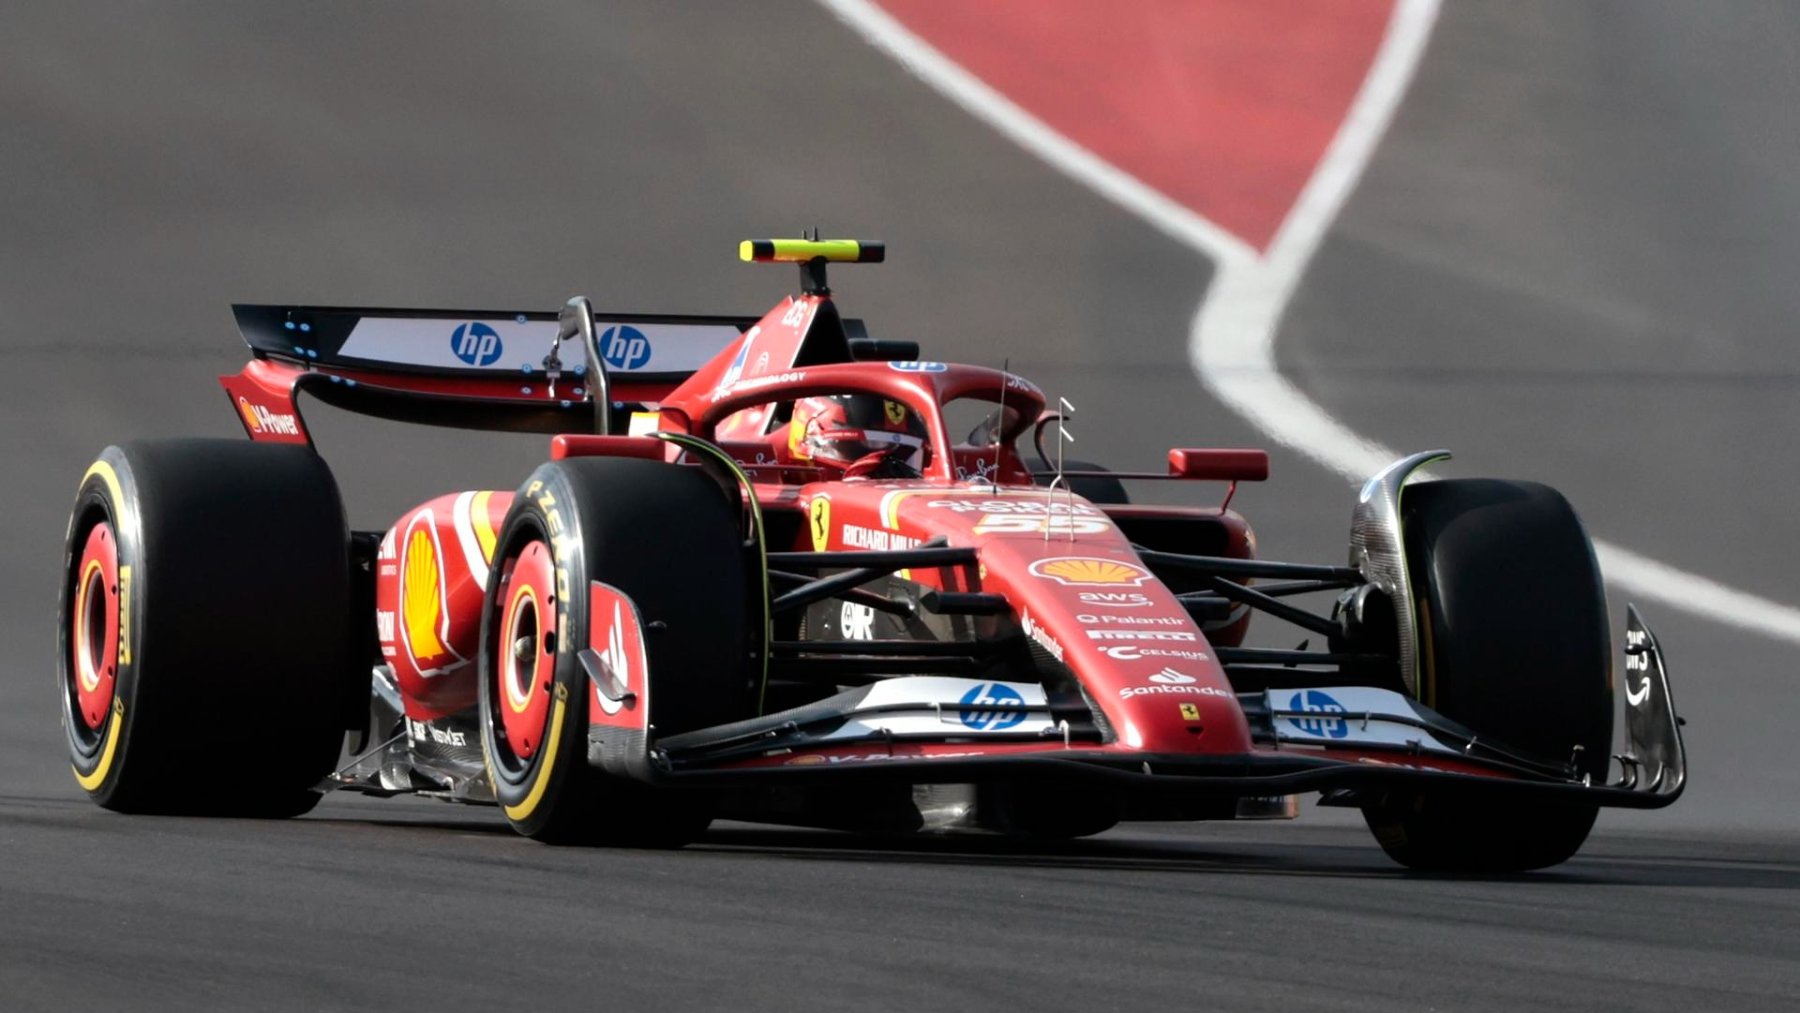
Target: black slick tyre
667, 537
205, 635
1514, 644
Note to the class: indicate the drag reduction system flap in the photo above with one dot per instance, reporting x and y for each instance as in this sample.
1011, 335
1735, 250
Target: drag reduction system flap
642, 346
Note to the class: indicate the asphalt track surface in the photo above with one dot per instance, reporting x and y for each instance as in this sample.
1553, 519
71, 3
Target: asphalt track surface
1569, 260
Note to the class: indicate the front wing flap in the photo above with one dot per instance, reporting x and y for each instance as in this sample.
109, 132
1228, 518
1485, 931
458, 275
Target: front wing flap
1333, 739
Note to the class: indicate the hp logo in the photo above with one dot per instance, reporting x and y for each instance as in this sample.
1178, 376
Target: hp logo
624, 347
476, 344
1329, 724
978, 703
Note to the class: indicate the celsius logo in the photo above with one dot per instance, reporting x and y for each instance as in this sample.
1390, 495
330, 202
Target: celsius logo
476, 344
1329, 721
1172, 677
978, 703
624, 347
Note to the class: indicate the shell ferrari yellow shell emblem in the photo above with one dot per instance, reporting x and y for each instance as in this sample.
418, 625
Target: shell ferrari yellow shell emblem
895, 411
1084, 571
819, 523
421, 595
424, 599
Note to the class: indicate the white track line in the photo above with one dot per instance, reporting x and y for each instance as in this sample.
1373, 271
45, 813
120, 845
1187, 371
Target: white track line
1232, 340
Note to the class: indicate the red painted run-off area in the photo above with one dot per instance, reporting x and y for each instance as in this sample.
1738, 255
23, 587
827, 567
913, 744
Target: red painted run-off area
1226, 106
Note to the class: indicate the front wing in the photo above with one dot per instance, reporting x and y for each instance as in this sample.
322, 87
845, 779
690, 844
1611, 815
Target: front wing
928, 729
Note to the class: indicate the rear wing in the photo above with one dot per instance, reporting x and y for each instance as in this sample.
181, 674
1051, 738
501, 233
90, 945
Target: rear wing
469, 369
639, 348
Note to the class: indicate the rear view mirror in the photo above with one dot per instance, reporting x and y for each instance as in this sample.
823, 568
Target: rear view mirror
1217, 465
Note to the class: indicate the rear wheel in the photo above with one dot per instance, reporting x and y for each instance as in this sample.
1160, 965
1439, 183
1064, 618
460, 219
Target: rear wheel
1514, 644
205, 630
668, 538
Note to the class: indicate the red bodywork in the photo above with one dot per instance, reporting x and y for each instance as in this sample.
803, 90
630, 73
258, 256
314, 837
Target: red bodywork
1076, 585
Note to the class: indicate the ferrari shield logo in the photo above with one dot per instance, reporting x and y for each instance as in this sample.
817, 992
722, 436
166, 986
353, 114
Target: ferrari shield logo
820, 515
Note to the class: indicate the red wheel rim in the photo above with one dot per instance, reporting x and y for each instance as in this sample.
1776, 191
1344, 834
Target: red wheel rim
94, 627
525, 668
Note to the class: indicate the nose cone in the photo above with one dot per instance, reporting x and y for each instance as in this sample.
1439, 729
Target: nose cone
1129, 641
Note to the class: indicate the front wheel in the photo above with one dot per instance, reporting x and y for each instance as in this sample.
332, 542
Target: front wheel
604, 553
1514, 644
1448, 834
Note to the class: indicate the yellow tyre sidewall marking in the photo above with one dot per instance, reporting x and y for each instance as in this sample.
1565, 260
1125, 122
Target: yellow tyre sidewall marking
92, 782
541, 784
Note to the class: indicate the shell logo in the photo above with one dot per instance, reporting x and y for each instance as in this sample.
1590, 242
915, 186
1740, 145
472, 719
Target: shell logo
424, 606
249, 414
421, 601
1085, 571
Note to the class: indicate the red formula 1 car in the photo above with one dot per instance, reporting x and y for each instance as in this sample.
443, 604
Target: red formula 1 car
762, 577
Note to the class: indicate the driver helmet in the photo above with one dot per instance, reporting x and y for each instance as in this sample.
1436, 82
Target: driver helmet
861, 435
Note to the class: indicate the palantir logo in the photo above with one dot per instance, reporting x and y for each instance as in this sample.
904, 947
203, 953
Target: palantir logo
476, 344
978, 707
1313, 701
624, 347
